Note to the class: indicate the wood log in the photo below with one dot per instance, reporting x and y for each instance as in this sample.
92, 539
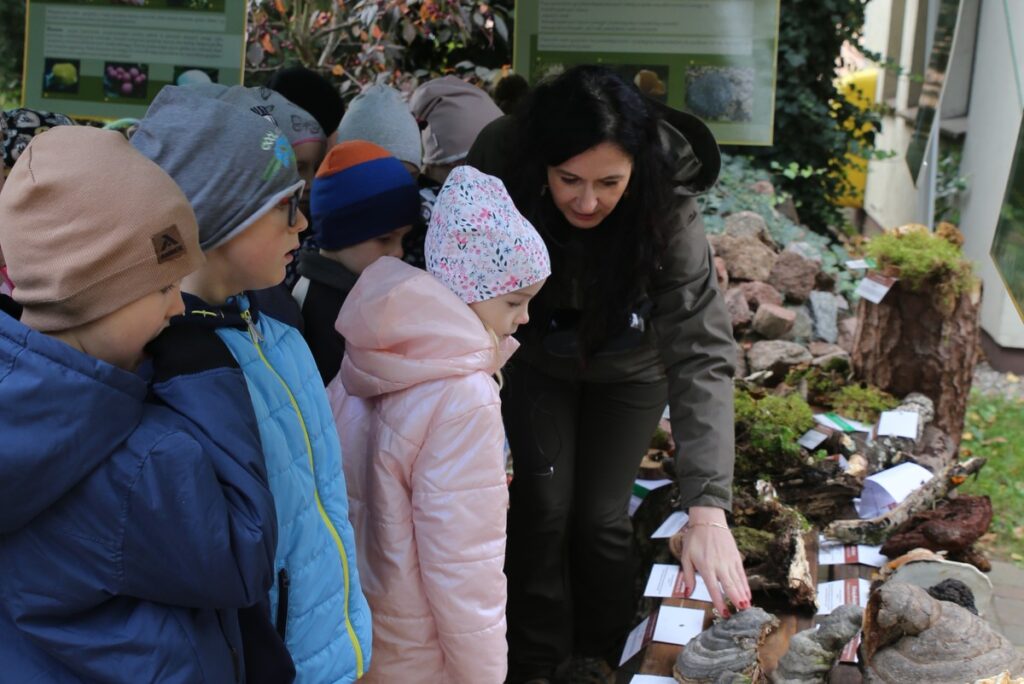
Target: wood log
911, 343
953, 525
877, 530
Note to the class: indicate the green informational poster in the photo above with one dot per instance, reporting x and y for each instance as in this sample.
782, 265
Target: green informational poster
1008, 243
714, 58
109, 58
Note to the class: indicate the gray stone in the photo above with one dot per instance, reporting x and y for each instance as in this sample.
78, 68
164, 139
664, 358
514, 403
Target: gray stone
829, 359
722, 274
776, 355
825, 314
847, 333
739, 310
758, 293
818, 348
748, 224
746, 257
806, 250
803, 326
741, 362
773, 321
794, 275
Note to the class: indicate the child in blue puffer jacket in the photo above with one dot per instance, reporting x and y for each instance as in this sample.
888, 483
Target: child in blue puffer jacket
130, 540
239, 172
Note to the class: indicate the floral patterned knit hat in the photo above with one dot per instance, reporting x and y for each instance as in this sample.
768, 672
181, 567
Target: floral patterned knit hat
478, 244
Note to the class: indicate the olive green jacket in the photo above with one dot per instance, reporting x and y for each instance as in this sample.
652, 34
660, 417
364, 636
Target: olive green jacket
689, 338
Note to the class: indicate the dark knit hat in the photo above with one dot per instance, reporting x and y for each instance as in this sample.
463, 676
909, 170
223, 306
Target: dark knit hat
361, 192
312, 92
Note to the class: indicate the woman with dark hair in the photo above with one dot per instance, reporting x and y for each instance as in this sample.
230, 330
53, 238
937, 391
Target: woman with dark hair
631, 319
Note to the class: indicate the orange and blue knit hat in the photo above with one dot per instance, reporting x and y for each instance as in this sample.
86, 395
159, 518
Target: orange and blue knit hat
361, 192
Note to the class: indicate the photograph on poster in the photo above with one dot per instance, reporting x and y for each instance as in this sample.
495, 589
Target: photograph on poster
720, 93
123, 79
193, 75
60, 75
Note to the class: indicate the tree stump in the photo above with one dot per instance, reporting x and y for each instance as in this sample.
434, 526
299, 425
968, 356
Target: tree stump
911, 342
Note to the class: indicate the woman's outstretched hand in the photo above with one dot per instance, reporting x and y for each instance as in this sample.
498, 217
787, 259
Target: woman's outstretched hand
706, 546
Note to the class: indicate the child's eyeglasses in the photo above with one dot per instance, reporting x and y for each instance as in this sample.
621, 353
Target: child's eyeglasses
293, 207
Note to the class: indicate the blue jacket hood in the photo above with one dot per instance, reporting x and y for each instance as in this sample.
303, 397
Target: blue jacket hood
62, 413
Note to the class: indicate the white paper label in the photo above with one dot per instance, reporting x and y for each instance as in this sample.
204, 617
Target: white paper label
874, 287
638, 638
860, 264
898, 424
634, 503
667, 581
832, 553
672, 524
885, 490
852, 591
812, 439
651, 679
678, 625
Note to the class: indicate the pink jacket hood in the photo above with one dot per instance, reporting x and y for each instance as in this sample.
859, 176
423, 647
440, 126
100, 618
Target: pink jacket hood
402, 327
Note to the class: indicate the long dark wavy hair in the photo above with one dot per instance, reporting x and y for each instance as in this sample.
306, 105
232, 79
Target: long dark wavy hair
583, 107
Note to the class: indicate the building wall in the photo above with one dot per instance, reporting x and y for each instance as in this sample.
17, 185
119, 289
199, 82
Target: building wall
993, 120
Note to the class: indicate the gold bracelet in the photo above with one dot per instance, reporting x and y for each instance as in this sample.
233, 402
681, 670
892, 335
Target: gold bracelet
690, 525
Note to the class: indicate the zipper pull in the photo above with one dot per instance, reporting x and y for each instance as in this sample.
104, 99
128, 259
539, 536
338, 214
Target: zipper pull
254, 332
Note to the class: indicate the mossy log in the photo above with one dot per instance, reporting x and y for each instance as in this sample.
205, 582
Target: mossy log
877, 530
914, 341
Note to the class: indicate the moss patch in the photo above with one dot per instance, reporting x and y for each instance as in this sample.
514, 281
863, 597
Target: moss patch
767, 430
923, 260
862, 402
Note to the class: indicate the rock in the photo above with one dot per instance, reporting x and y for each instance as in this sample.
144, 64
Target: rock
776, 355
847, 333
806, 250
803, 327
758, 293
739, 310
788, 209
794, 275
763, 187
813, 652
722, 274
772, 321
746, 257
824, 313
748, 224
825, 281
726, 649
818, 348
830, 359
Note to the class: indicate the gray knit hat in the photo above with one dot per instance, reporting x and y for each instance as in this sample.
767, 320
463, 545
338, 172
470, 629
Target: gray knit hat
380, 115
296, 123
233, 165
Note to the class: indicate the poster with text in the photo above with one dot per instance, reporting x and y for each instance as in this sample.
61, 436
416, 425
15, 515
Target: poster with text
108, 59
713, 58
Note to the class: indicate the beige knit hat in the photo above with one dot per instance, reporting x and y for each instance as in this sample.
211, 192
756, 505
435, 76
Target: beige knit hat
89, 225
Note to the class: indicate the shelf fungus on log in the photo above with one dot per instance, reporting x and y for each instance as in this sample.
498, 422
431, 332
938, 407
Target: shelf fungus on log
877, 530
813, 652
909, 636
954, 525
727, 651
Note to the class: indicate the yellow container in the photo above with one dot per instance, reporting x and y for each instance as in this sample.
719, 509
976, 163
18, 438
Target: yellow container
859, 88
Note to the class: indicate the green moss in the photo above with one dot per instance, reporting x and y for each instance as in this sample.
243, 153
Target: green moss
862, 402
767, 430
661, 440
923, 261
753, 543
821, 382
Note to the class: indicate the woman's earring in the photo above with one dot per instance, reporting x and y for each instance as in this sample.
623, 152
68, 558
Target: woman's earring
543, 190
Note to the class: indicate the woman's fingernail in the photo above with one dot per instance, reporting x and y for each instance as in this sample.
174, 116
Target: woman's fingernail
687, 591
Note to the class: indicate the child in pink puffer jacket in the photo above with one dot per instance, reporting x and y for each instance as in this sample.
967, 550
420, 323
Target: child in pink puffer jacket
417, 408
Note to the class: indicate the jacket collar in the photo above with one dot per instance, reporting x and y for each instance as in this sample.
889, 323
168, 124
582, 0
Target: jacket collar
229, 315
319, 268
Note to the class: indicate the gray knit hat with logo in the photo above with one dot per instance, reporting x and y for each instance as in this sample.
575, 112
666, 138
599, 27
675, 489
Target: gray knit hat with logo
380, 115
233, 165
296, 123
